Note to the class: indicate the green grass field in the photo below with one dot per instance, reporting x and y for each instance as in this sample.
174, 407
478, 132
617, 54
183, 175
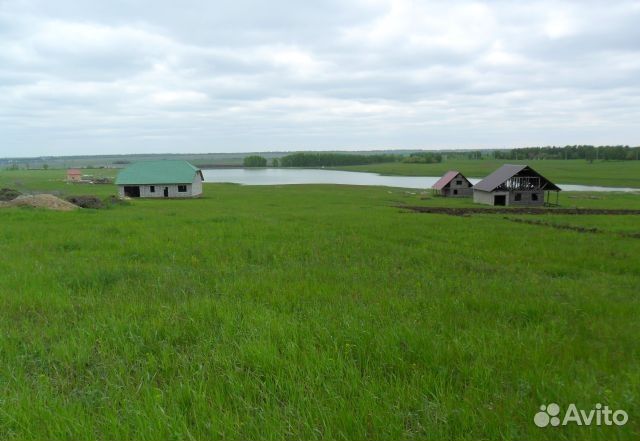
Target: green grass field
53, 181
311, 312
604, 173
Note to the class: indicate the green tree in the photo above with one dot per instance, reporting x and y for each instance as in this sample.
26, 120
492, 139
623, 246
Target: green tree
254, 161
275, 162
334, 159
423, 158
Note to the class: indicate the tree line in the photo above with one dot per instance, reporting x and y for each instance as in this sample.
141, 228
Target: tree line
334, 159
587, 152
254, 161
423, 158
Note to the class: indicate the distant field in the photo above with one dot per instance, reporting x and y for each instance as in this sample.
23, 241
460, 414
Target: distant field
54, 181
312, 312
604, 173
121, 160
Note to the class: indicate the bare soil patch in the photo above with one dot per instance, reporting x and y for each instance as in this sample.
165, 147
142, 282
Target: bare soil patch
465, 211
576, 228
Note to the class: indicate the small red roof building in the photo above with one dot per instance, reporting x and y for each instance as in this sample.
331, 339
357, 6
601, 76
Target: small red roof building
453, 183
74, 174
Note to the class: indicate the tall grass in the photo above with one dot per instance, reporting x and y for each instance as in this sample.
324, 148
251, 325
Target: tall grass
309, 312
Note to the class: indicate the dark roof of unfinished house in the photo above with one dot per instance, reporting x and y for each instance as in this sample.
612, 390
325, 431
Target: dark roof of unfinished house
158, 172
508, 171
448, 177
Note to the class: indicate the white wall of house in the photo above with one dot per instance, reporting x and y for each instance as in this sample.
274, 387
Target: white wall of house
196, 185
526, 198
157, 190
483, 197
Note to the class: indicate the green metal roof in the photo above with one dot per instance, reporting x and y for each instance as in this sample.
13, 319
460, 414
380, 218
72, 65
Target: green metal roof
158, 172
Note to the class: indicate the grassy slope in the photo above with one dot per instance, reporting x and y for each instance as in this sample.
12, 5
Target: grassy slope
53, 181
611, 173
309, 312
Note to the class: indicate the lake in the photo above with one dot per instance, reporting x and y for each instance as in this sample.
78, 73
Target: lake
286, 176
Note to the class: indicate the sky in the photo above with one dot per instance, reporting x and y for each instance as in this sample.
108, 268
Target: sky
156, 76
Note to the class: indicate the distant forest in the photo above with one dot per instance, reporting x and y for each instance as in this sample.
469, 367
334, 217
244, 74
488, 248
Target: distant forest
587, 152
334, 159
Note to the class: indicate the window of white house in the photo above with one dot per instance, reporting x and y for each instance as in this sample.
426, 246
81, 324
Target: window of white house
518, 197
182, 188
152, 188
458, 182
455, 191
534, 196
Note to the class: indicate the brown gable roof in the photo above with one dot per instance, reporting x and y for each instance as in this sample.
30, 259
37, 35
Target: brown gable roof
448, 177
508, 171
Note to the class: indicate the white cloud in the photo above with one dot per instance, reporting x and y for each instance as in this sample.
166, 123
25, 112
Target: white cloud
365, 74
299, 62
560, 24
448, 26
178, 97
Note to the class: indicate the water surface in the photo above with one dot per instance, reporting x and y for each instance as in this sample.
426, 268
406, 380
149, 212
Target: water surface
286, 176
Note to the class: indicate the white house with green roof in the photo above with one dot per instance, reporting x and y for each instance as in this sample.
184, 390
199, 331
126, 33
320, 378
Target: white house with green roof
160, 179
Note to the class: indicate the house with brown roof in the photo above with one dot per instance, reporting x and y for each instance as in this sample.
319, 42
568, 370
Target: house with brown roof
74, 175
453, 184
513, 184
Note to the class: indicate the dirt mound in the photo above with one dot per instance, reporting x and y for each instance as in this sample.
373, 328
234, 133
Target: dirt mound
47, 201
86, 201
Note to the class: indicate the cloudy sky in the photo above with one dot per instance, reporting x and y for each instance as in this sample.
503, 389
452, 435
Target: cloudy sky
121, 76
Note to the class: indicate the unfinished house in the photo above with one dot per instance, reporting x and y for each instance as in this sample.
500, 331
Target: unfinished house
453, 184
160, 179
514, 185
